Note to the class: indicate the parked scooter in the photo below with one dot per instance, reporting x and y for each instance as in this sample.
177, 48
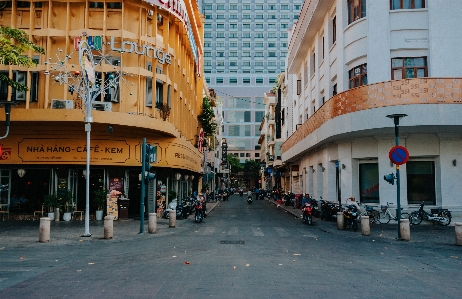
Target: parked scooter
441, 216
225, 195
261, 196
350, 215
173, 205
241, 192
329, 210
307, 213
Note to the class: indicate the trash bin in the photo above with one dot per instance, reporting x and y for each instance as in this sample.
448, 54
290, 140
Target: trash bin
123, 208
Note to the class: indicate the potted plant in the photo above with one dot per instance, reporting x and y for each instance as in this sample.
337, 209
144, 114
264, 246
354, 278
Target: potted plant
51, 202
68, 204
100, 201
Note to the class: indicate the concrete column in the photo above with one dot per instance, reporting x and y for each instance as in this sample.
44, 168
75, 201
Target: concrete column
365, 226
57, 214
171, 218
340, 220
108, 227
405, 229
458, 228
44, 230
152, 223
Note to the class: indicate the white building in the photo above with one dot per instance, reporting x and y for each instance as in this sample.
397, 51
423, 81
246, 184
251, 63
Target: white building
350, 64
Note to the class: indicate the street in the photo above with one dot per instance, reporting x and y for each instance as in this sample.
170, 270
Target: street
238, 251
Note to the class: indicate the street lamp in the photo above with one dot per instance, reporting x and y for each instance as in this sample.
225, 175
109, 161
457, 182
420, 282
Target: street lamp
396, 118
7, 105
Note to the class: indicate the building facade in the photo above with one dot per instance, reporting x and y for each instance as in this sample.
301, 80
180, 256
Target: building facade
350, 65
155, 50
245, 45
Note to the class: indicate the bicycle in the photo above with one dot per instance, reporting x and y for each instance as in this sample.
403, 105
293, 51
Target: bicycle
373, 214
385, 215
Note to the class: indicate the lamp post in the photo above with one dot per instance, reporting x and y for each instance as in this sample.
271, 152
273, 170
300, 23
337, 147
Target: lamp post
7, 105
396, 118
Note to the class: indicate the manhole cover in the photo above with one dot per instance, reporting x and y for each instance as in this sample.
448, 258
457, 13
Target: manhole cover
232, 242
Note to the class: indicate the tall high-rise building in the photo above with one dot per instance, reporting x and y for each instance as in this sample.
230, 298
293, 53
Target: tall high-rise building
245, 45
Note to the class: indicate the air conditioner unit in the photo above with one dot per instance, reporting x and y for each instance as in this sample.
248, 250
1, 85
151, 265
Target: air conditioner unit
101, 106
62, 104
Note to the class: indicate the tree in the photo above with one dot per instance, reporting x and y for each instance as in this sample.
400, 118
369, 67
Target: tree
206, 118
234, 162
13, 44
252, 169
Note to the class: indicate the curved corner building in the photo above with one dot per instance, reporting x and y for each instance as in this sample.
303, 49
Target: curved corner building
350, 65
157, 46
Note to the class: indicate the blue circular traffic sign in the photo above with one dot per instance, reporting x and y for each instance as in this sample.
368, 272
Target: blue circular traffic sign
398, 155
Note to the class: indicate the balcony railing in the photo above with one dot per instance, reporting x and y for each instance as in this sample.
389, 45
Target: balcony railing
383, 94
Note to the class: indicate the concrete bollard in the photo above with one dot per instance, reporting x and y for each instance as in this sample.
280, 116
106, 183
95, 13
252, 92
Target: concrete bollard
365, 226
340, 220
458, 228
152, 223
44, 230
108, 227
57, 215
171, 218
405, 229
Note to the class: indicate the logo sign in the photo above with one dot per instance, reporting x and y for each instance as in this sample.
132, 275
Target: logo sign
398, 155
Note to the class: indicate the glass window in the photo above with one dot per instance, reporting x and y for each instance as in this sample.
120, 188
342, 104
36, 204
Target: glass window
257, 133
409, 67
259, 80
239, 103
369, 182
421, 182
207, 35
258, 45
246, 63
271, 7
208, 17
246, 45
246, 80
245, 54
232, 54
284, 7
259, 17
258, 54
220, 17
220, 26
272, 35
221, 35
208, 26
233, 80
246, 17
238, 116
271, 26
220, 7
207, 54
356, 10
220, 54
233, 7
358, 76
207, 80
220, 63
233, 17
233, 26
271, 54
259, 115
407, 4
285, 17
258, 7
208, 7
246, 7
219, 80
233, 63
272, 17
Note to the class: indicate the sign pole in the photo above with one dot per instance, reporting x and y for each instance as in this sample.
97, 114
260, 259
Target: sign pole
143, 185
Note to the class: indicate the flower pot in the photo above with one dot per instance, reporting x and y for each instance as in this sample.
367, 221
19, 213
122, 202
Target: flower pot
99, 214
51, 215
67, 216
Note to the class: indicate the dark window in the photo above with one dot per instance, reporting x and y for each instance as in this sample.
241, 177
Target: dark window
149, 91
369, 182
334, 89
114, 5
358, 76
247, 116
407, 4
159, 94
356, 10
96, 4
421, 182
334, 30
408, 67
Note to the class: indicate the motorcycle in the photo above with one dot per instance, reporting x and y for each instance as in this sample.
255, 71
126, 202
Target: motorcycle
249, 199
225, 195
199, 211
315, 208
329, 210
241, 192
307, 213
173, 205
351, 217
261, 196
289, 199
441, 216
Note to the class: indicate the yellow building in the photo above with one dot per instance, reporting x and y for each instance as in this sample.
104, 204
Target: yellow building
157, 45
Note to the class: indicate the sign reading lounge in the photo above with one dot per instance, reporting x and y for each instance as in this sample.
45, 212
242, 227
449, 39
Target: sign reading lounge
96, 42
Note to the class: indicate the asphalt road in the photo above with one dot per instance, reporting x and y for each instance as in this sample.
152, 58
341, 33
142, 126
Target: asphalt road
239, 251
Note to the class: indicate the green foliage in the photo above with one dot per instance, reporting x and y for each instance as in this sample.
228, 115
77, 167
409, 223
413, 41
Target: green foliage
13, 44
171, 195
206, 118
234, 162
252, 168
100, 198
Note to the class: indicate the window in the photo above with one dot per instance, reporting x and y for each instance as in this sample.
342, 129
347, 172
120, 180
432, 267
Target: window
219, 80
207, 54
208, 26
258, 26
272, 35
295, 17
271, 26
358, 76
297, 7
284, 7
421, 182
258, 45
271, 45
259, 17
245, 26
259, 80
313, 64
233, 7
239, 103
233, 17
284, 35
246, 35
233, 26
159, 93
334, 30
207, 63
246, 63
271, 7
259, 35
246, 45
220, 17
258, 7
271, 63
233, 80
334, 89
271, 54
208, 17
272, 80
233, 35
246, 7
207, 45
220, 7
284, 26
233, 45
220, 45
272, 17
220, 54
245, 54
407, 4
220, 26
259, 115
220, 63
369, 182
356, 10
148, 101
246, 17
208, 7
409, 67
258, 54
207, 35
232, 54
221, 35
285, 17
246, 80
233, 63
284, 45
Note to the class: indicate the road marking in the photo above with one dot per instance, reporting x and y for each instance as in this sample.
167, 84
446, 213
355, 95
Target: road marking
281, 232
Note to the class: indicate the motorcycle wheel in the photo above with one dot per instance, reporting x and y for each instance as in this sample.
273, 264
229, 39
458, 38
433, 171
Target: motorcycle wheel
384, 217
415, 219
446, 220
197, 217
310, 220
167, 215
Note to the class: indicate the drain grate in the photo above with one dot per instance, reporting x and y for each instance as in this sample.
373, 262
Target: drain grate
232, 242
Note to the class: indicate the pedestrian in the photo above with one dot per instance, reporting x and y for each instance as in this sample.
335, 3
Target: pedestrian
257, 192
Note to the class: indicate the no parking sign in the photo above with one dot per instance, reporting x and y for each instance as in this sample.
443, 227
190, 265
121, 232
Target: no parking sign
398, 155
